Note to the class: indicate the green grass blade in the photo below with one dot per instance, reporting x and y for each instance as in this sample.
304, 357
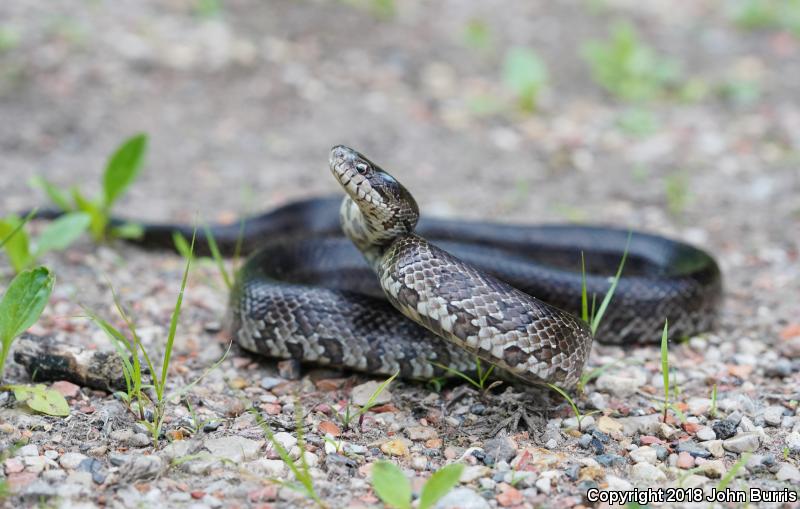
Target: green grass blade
607, 299
374, 396
186, 388
584, 292
237, 249
665, 365
137, 343
568, 399
301, 474
726, 480
173, 324
217, 256
181, 245
457, 373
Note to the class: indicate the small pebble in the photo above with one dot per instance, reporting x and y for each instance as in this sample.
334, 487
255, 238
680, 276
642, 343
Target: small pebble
743, 442
705, 433
725, 428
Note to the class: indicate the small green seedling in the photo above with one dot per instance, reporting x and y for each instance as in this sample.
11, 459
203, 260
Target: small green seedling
121, 170
525, 74
575, 410
629, 69
130, 352
22, 304
477, 34
482, 375
665, 372
41, 399
676, 189
665, 366
346, 417
23, 251
302, 472
394, 489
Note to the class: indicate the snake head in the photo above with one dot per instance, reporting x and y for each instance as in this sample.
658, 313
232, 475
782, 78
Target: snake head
385, 209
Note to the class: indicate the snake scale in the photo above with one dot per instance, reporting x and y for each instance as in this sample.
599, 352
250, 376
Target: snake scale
397, 294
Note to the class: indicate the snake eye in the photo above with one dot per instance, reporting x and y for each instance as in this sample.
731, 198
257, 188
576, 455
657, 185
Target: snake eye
361, 168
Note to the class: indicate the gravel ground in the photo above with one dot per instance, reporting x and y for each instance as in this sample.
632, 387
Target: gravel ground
244, 103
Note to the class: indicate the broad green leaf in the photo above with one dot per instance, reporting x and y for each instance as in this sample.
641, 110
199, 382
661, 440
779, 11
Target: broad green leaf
123, 167
62, 232
24, 301
15, 242
54, 193
41, 399
391, 485
440, 483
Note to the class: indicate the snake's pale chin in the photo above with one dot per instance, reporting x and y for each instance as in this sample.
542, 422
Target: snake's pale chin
378, 209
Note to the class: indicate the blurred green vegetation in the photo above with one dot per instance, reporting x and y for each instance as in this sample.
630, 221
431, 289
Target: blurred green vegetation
382, 9
525, 74
629, 69
9, 38
208, 8
477, 34
761, 14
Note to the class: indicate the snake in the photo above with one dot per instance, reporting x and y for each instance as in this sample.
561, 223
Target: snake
366, 283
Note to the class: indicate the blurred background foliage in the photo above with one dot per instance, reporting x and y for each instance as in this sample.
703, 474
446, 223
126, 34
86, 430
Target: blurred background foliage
235, 94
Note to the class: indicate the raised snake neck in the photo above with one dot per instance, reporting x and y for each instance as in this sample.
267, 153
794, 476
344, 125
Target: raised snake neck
306, 291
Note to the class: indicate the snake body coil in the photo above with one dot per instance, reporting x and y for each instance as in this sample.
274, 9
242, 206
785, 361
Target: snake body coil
307, 292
